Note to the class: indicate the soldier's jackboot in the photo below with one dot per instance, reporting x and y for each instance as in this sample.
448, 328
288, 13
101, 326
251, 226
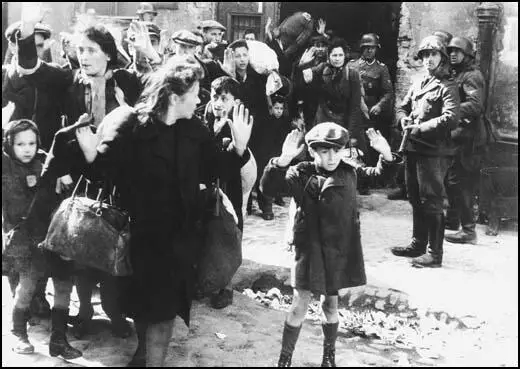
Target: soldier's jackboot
419, 238
433, 259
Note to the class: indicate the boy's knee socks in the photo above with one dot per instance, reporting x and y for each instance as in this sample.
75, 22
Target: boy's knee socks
289, 338
330, 332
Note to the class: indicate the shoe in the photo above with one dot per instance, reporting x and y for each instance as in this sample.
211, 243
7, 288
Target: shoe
329, 357
268, 216
19, 331
426, 261
58, 344
397, 194
419, 237
462, 236
284, 361
222, 299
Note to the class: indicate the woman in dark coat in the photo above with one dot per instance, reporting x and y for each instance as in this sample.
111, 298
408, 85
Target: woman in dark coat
96, 88
158, 155
327, 239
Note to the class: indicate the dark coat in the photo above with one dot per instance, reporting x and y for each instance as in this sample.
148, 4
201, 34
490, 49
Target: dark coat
68, 87
340, 95
159, 185
471, 135
19, 184
326, 229
32, 103
435, 104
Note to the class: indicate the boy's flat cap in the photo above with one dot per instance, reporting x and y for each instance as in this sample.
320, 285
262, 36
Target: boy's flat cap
327, 134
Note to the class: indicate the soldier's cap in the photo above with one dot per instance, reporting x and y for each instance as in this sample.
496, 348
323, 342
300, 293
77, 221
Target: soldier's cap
327, 134
207, 24
146, 8
185, 37
40, 28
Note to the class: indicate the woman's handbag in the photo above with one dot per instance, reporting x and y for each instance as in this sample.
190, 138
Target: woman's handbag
222, 252
91, 232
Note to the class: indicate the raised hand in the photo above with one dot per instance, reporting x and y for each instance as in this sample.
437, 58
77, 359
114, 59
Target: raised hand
375, 110
87, 139
308, 56
292, 146
379, 143
321, 26
139, 38
229, 62
32, 13
241, 127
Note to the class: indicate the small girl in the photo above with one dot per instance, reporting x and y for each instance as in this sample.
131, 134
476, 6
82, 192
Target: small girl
22, 163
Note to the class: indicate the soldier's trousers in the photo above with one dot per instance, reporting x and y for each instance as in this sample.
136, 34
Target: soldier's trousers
461, 185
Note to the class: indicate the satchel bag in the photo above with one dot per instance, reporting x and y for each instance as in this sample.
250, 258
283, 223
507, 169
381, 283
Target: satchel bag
222, 251
91, 232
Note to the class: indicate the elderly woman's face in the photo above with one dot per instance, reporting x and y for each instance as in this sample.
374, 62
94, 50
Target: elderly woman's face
337, 57
92, 59
186, 104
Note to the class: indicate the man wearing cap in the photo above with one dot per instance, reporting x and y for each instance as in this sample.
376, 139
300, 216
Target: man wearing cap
186, 42
327, 237
146, 12
213, 46
470, 138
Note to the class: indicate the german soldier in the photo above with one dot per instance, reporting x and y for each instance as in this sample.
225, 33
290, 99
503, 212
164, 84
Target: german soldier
470, 138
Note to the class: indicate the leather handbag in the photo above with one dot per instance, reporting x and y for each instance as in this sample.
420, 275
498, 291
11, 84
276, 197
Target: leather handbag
91, 232
222, 250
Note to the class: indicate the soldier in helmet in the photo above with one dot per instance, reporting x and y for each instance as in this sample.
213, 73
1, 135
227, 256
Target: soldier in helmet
430, 110
470, 138
146, 12
378, 93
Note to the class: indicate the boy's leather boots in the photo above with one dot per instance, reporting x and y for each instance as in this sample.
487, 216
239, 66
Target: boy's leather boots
330, 332
289, 338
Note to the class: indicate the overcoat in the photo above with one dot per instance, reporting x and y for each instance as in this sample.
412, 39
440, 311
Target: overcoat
327, 238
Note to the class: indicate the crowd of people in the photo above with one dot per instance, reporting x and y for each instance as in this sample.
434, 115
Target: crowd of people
159, 116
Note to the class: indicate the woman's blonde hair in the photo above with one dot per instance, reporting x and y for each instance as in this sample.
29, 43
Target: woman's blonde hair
177, 76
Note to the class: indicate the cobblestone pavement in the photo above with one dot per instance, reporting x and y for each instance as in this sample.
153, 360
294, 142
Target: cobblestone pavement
467, 310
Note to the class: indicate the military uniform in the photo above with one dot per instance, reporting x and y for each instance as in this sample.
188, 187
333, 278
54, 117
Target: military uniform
377, 86
470, 138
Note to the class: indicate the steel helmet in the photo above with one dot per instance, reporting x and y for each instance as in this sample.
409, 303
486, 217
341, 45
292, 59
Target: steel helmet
369, 39
146, 8
463, 44
445, 36
432, 43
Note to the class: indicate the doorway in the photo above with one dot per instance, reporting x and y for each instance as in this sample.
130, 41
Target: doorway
351, 20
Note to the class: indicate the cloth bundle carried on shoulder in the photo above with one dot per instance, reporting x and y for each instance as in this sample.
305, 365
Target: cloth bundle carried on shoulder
263, 59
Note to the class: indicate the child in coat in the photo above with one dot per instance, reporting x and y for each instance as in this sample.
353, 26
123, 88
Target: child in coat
328, 254
225, 95
22, 163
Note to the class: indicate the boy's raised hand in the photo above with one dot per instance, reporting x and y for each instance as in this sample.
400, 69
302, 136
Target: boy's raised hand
292, 147
241, 127
379, 143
